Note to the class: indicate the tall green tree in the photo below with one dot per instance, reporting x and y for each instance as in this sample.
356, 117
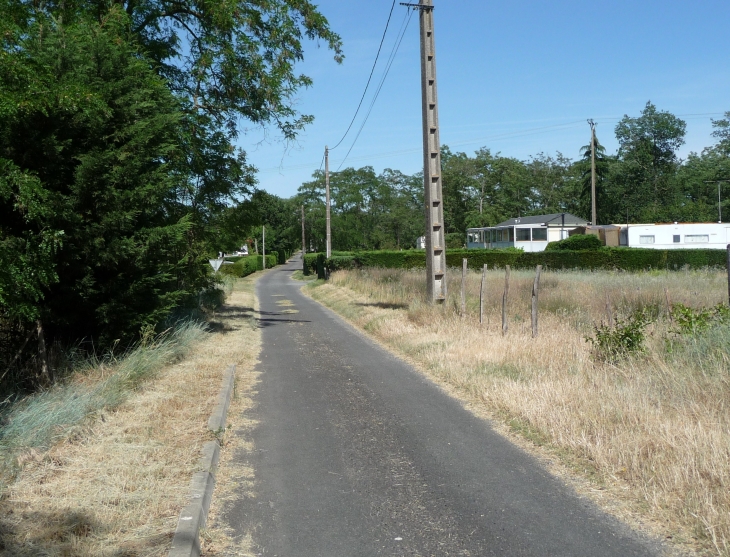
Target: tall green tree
647, 152
89, 137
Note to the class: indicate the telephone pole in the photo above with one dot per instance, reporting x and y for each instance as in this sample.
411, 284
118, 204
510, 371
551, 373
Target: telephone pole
435, 243
719, 198
327, 195
594, 218
304, 243
263, 244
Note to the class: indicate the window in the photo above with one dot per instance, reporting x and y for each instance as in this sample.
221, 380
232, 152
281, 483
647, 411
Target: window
511, 234
539, 234
697, 238
523, 234
676, 238
646, 239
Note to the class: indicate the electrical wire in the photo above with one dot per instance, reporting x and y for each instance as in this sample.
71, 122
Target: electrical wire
372, 71
389, 64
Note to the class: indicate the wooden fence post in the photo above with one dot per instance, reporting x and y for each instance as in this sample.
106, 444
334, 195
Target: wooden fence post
728, 273
505, 326
609, 311
669, 305
463, 287
481, 295
535, 288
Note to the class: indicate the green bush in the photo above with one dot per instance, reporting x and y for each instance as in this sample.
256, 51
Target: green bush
577, 242
339, 262
455, 240
625, 338
321, 266
249, 265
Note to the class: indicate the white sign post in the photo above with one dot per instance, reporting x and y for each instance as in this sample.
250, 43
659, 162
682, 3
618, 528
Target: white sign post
215, 263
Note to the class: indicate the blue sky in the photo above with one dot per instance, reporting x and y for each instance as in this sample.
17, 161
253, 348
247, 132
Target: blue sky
519, 77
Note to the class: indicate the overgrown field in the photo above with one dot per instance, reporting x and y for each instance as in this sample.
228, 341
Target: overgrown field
100, 465
641, 410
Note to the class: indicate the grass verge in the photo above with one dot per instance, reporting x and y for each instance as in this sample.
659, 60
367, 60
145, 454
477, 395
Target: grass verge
647, 435
102, 464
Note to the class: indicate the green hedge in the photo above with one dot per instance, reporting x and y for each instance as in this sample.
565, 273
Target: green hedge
627, 259
245, 266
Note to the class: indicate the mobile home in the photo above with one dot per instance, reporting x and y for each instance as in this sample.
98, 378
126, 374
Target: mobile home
528, 233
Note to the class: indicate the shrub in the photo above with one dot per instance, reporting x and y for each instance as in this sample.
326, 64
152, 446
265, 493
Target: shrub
625, 337
455, 240
321, 266
692, 321
576, 242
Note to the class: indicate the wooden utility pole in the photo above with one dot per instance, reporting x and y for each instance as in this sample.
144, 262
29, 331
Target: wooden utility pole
594, 217
263, 242
327, 195
304, 243
719, 197
433, 196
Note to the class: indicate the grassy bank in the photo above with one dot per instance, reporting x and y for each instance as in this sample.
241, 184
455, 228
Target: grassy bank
649, 428
102, 464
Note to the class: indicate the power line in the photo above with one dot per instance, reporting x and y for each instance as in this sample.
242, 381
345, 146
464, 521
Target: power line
389, 64
372, 71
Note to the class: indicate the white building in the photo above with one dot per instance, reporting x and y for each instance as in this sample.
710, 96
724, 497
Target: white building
684, 235
528, 233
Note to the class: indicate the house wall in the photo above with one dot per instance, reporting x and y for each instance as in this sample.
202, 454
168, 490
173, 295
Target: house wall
679, 236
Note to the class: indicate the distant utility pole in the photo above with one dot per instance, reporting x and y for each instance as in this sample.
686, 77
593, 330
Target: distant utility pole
304, 243
263, 246
594, 217
433, 198
719, 199
327, 195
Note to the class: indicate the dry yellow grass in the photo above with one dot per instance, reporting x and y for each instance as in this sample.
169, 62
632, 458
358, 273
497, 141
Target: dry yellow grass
117, 485
652, 432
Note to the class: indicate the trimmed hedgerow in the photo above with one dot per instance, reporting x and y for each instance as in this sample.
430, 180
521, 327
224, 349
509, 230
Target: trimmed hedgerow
627, 259
249, 265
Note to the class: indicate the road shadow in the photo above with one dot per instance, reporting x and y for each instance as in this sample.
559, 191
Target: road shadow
384, 305
263, 323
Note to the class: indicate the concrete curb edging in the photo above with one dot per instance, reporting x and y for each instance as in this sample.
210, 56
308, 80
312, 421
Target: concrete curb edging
186, 541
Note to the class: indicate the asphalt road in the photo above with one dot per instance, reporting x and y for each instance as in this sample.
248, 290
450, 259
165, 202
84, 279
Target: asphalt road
357, 454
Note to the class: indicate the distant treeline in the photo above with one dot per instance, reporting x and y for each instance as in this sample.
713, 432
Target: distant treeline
644, 181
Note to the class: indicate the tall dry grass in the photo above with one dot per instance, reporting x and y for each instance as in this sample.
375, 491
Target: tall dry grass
654, 426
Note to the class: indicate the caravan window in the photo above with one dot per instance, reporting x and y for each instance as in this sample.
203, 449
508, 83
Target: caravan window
539, 234
697, 238
646, 239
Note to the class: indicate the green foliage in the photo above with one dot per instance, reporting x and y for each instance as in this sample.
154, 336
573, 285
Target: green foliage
576, 242
626, 337
455, 240
321, 266
248, 265
87, 140
691, 321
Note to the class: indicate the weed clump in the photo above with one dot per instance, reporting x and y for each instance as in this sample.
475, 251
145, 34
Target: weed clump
626, 337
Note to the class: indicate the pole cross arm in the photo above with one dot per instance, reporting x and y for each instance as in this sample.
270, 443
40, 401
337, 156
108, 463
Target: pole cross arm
417, 6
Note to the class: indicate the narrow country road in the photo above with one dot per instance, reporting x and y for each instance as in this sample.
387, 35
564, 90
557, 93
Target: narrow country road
357, 454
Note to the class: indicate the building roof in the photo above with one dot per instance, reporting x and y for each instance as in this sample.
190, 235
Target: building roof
554, 219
